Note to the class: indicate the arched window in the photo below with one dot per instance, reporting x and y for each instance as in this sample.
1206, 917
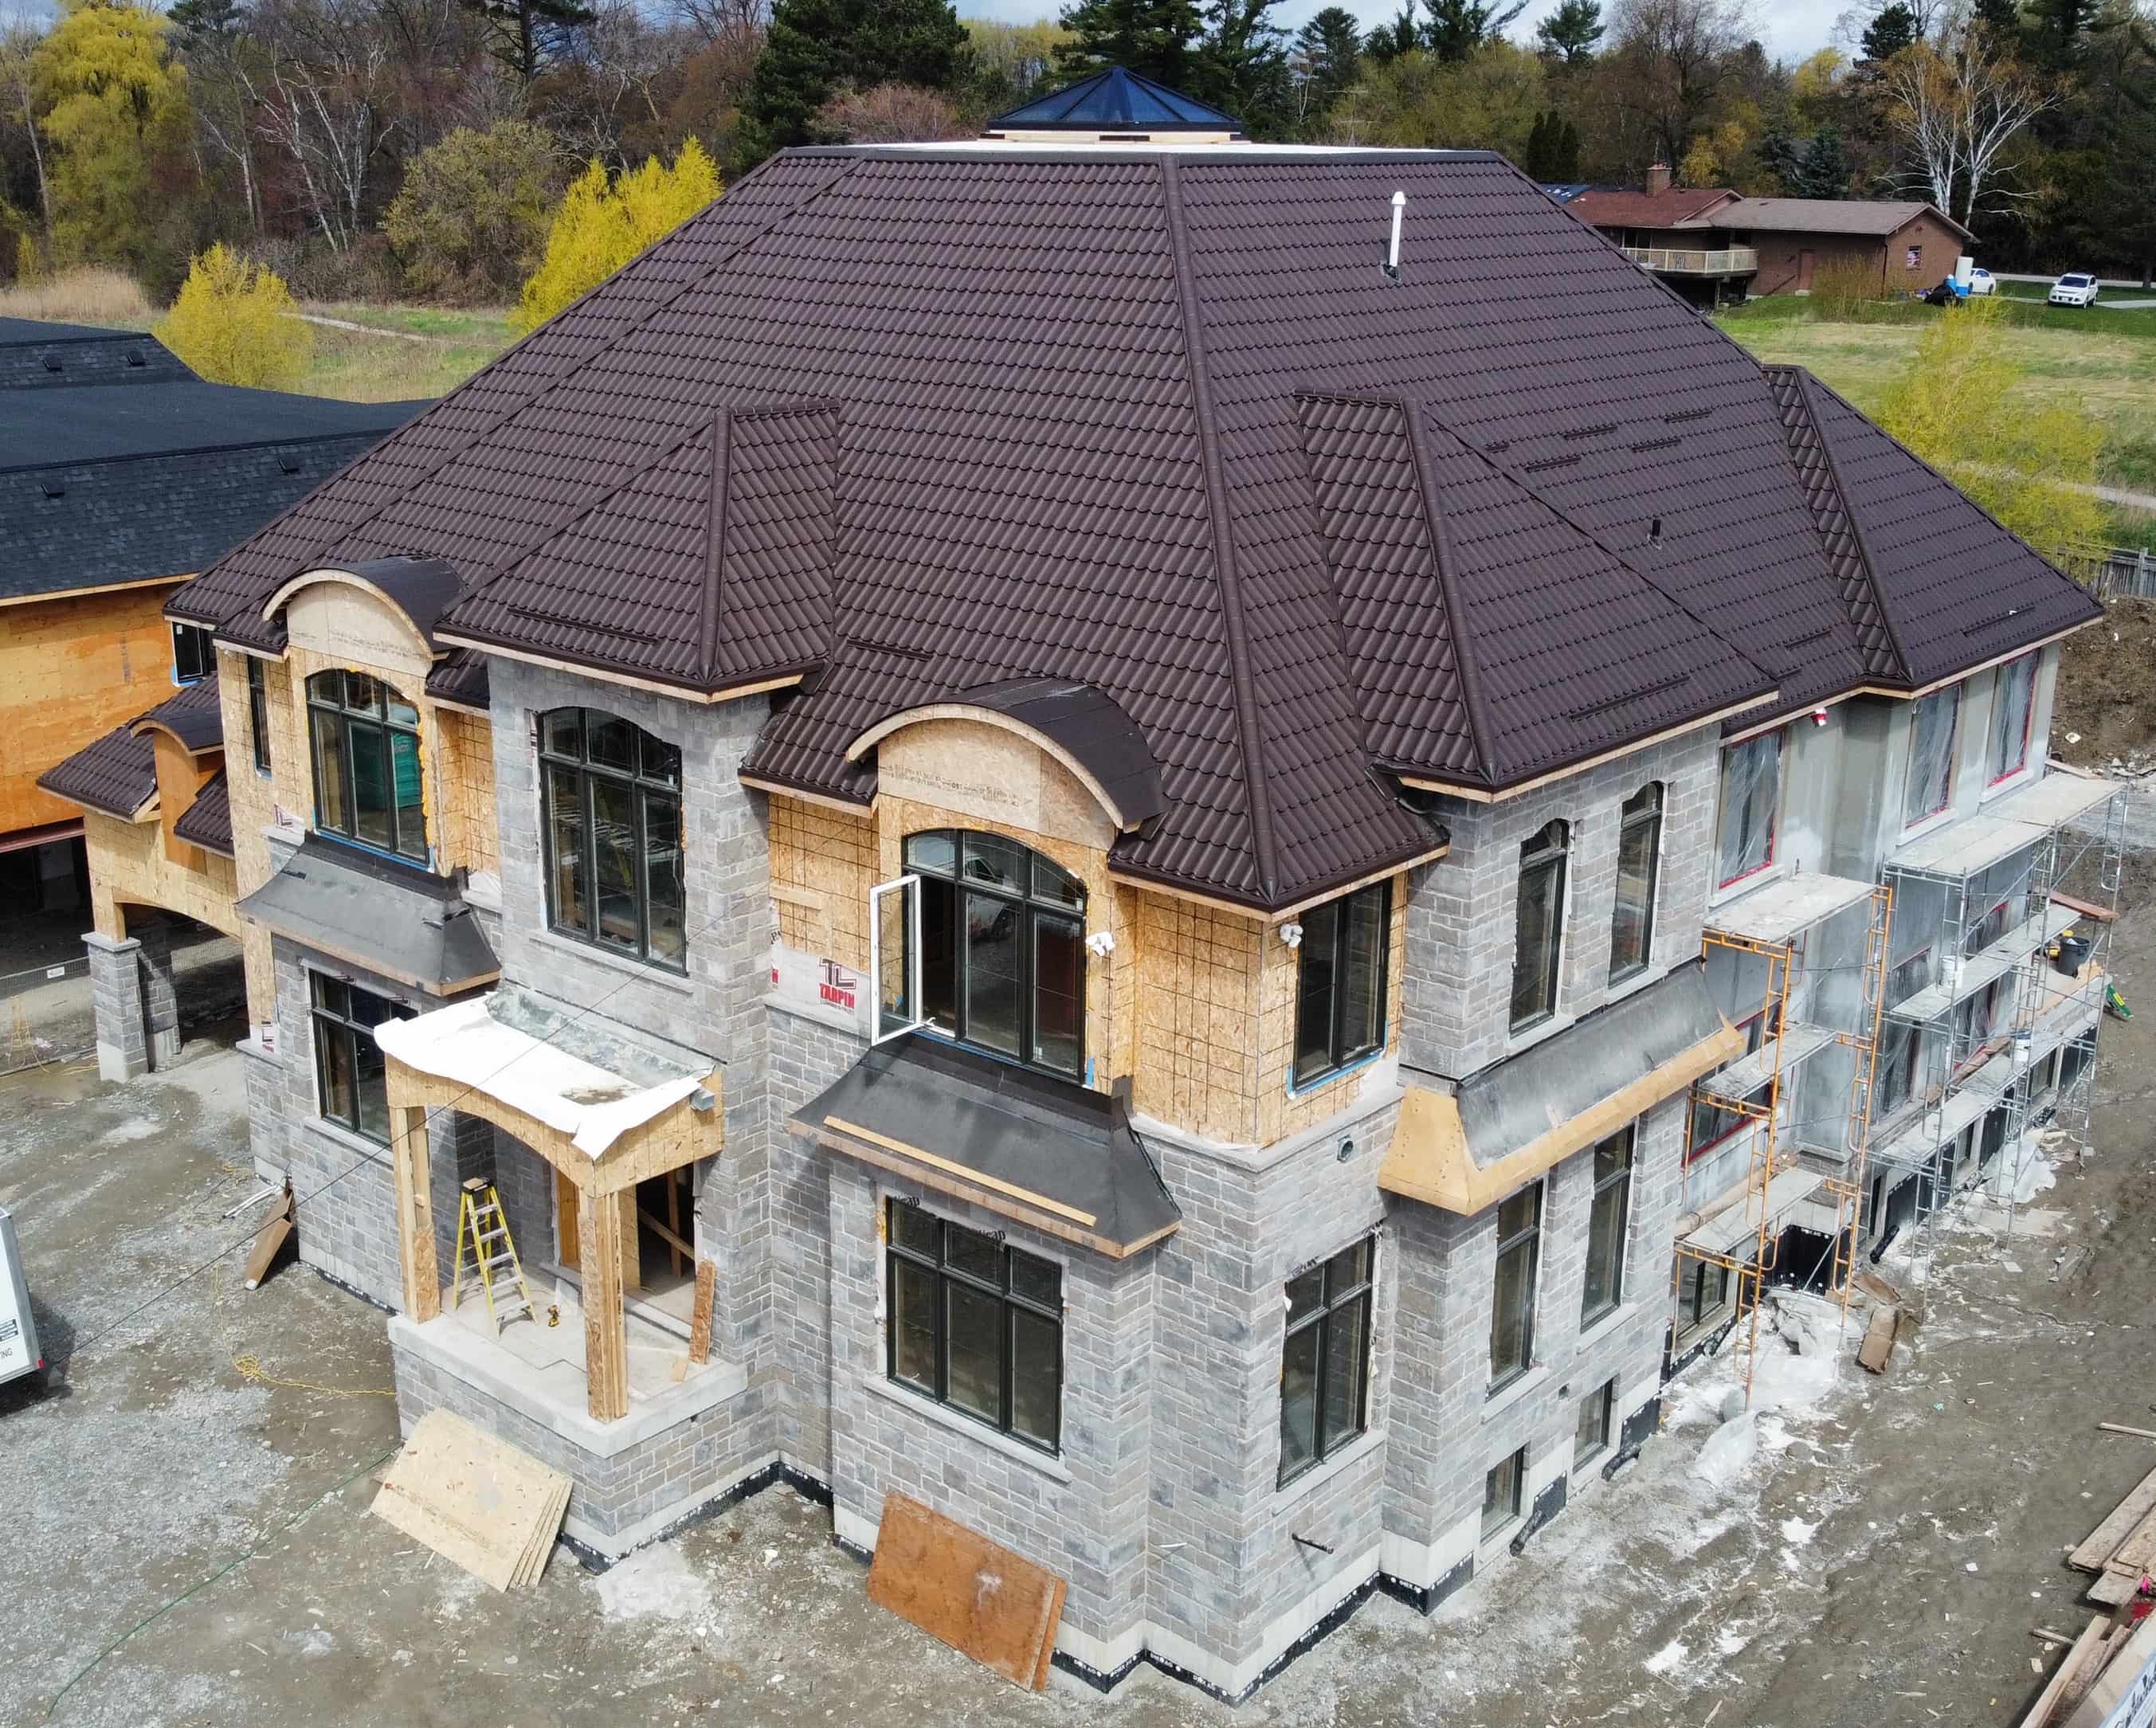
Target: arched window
1003, 947
1639, 852
368, 786
610, 815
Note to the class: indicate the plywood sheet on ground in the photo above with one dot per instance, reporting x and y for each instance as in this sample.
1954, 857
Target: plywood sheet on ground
981, 1599
490, 1509
2104, 1540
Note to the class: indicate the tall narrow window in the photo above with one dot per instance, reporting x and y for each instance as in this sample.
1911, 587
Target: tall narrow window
368, 786
1639, 852
1003, 947
1501, 1492
1590, 1437
2012, 703
975, 1325
1608, 1214
194, 656
352, 1088
1751, 799
1340, 982
1932, 723
1538, 927
610, 819
258, 711
1512, 1306
1325, 1363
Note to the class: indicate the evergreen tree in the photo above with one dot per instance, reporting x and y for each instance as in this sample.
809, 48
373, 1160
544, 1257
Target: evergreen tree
526, 36
1571, 32
1154, 38
1457, 27
1826, 166
1329, 53
812, 46
1388, 42
1241, 67
1567, 164
2002, 18
1894, 30
1536, 164
2058, 29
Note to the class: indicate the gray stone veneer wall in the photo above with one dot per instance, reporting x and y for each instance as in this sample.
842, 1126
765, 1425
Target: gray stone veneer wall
116, 991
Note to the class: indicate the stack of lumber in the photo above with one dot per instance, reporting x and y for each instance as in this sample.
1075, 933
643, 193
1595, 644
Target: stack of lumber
2084, 1662
491, 1509
2122, 1550
980, 1598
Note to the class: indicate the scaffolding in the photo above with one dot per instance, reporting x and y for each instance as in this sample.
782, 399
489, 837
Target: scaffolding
1774, 929
2002, 1000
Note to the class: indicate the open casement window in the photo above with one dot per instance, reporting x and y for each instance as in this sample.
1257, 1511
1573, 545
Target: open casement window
998, 955
895, 955
1340, 982
610, 819
1932, 720
1538, 928
1639, 852
1751, 799
368, 784
2012, 703
194, 655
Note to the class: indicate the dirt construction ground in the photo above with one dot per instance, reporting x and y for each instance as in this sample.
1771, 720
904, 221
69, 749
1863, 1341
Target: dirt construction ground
186, 1536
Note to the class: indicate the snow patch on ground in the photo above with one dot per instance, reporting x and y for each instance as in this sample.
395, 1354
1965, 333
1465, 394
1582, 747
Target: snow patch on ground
656, 1582
1667, 1660
1797, 1533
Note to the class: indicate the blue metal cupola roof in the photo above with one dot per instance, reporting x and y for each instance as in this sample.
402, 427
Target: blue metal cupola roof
1114, 100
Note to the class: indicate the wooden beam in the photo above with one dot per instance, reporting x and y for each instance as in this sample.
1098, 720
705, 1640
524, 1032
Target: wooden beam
2103, 1542
623, 1204
415, 1210
605, 1334
700, 1314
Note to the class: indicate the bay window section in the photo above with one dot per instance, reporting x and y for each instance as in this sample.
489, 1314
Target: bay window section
1002, 945
368, 783
1751, 802
1932, 722
1638, 852
1325, 1359
2013, 700
1538, 927
1512, 1302
975, 1325
610, 822
1340, 982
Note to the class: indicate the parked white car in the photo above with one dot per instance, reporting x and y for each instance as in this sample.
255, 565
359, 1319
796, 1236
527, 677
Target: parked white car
1980, 282
2073, 289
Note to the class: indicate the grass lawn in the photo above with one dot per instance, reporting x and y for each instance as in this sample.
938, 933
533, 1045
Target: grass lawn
390, 366
2102, 363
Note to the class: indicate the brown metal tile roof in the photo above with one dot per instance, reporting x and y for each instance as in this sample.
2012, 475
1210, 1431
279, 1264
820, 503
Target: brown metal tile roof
459, 677
922, 421
117, 774
1679, 207
194, 714
208, 821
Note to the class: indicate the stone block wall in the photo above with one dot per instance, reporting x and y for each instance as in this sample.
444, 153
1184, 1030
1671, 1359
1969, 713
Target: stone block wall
116, 991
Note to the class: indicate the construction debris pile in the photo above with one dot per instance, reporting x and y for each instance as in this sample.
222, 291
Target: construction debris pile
2120, 1552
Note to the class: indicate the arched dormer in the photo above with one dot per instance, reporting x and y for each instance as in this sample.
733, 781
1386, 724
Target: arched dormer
375, 613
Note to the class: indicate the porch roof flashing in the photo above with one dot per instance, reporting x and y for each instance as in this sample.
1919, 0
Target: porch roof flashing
1465, 1150
395, 919
590, 1084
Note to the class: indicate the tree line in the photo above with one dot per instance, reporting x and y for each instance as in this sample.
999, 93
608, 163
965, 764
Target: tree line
373, 148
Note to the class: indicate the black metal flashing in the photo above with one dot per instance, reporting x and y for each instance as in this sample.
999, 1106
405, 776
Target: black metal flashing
407, 924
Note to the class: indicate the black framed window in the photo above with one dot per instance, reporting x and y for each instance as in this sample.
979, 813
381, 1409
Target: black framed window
610, 819
1590, 1437
258, 711
1325, 1361
1538, 925
1502, 1490
350, 1089
1512, 1303
1702, 1291
1002, 940
1340, 982
194, 656
368, 784
1638, 855
1608, 1213
975, 1325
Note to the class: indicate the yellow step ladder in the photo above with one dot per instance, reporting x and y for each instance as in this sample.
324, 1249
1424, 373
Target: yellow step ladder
484, 1232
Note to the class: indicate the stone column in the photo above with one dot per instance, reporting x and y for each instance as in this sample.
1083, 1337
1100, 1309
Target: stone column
160, 996
115, 984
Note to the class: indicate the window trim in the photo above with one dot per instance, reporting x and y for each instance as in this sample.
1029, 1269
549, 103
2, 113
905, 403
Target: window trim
1343, 1059
1009, 1304
1556, 856
1916, 710
1597, 1187
1325, 1447
199, 641
1029, 909
338, 713
257, 712
640, 788
1628, 821
1780, 734
1532, 1239
1998, 773
349, 1028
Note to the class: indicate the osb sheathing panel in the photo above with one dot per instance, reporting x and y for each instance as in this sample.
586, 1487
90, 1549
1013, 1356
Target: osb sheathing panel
823, 864
467, 758
129, 867
993, 777
181, 777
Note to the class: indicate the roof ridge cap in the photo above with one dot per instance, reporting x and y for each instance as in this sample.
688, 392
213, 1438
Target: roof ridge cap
1479, 728
1256, 791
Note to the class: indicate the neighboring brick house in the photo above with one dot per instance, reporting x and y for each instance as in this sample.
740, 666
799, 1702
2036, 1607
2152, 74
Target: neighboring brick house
121, 474
1672, 231
1897, 247
1099, 812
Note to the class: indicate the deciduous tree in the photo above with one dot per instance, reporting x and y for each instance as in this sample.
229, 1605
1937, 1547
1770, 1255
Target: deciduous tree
472, 215
604, 221
233, 323
1957, 105
109, 98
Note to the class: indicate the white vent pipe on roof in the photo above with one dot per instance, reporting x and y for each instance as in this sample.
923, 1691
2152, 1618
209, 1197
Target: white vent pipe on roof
1393, 251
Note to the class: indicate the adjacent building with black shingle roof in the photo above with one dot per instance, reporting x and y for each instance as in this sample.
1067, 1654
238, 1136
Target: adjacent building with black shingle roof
1139, 835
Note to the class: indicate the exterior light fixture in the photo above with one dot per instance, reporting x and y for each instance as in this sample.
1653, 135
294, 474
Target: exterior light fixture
1292, 934
1100, 944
